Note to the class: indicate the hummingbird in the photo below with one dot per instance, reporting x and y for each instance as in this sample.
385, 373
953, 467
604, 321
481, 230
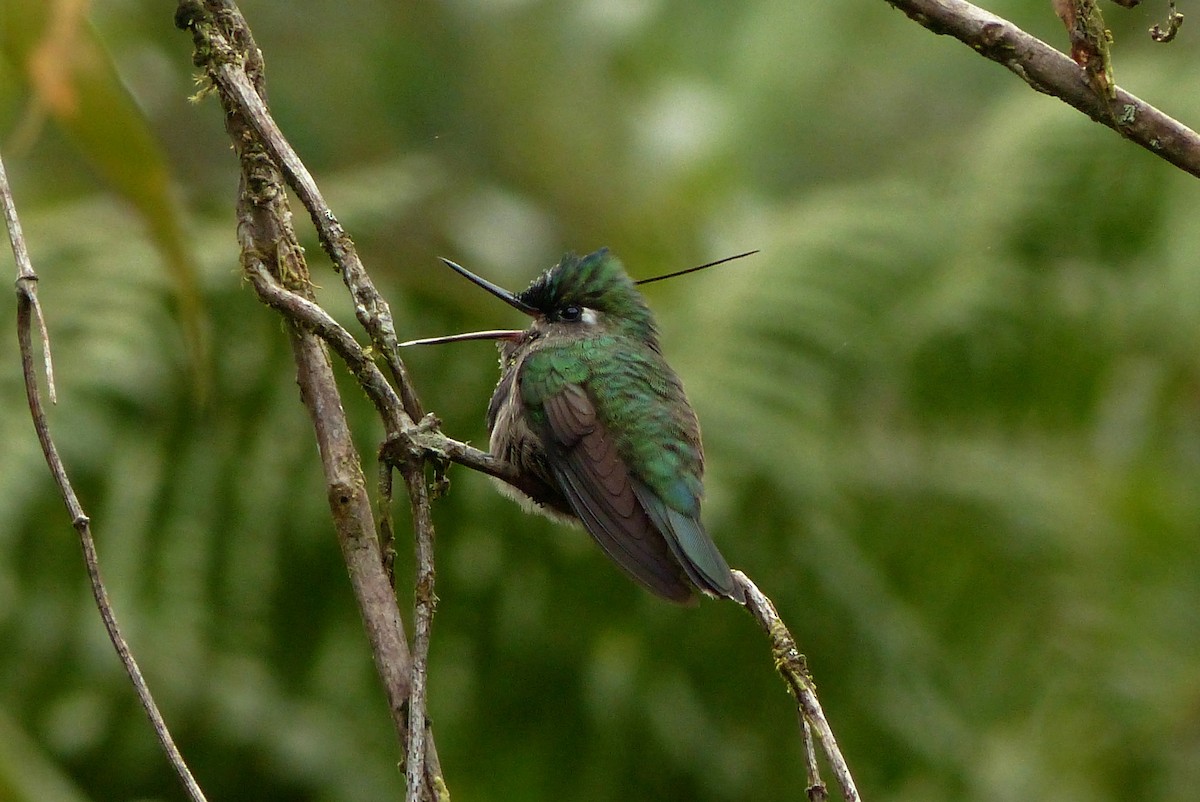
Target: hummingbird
591, 414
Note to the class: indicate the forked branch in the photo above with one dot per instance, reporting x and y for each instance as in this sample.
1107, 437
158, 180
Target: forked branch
273, 260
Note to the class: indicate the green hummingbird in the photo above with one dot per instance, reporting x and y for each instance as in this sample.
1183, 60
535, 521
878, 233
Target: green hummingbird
592, 415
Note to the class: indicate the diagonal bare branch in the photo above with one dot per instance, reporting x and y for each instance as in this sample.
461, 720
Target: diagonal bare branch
1053, 73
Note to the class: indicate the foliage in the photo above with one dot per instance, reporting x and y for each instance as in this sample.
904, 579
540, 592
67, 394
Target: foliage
950, 413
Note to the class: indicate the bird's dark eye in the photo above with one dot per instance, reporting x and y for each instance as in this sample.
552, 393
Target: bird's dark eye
570, 313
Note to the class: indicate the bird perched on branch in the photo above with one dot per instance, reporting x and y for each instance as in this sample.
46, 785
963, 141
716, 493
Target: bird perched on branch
596, 420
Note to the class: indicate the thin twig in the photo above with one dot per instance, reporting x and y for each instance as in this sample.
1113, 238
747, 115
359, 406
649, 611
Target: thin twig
29, 310
424, 602
27, 281
792, 667
816, 791
1047, 70
44, 337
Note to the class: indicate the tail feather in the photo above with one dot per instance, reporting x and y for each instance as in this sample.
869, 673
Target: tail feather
692, 546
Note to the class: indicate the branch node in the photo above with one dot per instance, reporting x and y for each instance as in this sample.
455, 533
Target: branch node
817, 792
342, 494
414, 444
991, 35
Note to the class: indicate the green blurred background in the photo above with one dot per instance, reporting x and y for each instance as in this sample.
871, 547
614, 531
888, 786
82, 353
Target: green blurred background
952, 410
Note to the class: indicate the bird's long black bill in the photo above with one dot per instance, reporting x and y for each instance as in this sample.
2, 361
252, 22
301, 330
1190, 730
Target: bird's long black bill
694, 269
498, 334
494, 289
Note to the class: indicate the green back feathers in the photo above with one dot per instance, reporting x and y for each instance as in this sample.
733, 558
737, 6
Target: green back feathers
639, 399
642, 401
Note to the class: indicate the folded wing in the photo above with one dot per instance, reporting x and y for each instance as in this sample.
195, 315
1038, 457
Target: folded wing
663, 549
597, 484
